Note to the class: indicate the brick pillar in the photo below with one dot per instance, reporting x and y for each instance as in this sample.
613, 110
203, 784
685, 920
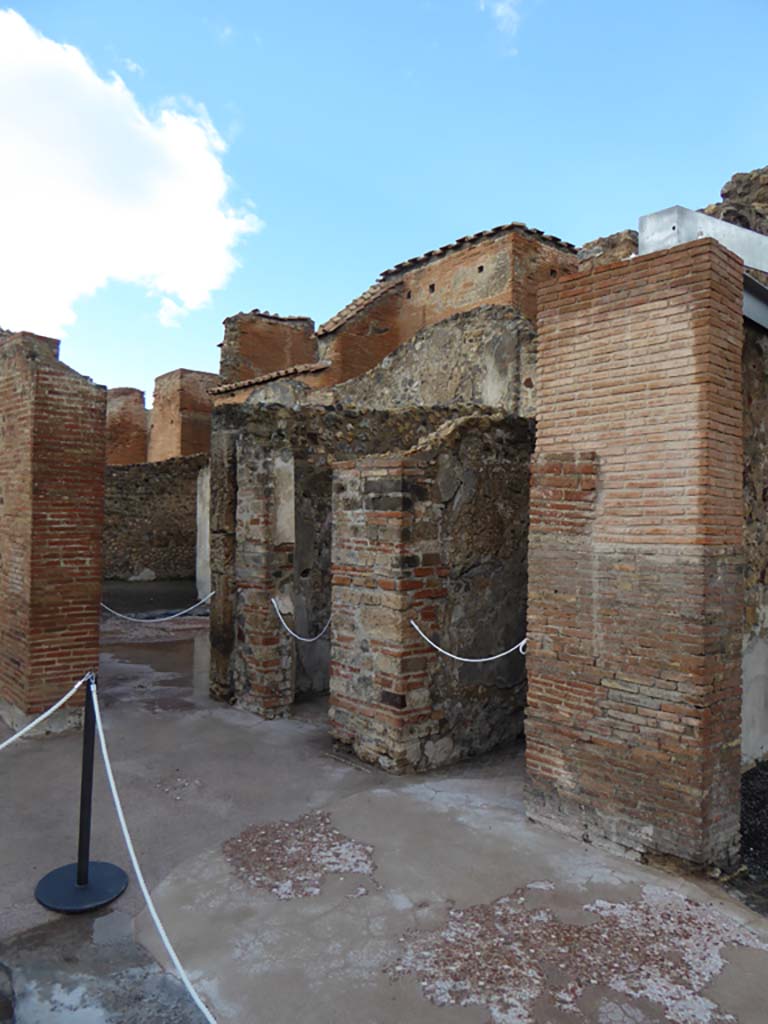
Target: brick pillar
635, 594
127, 427
181, 414
262, 671
52, 458
385, 571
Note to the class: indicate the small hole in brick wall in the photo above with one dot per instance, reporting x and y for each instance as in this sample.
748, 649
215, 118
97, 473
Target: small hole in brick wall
431, 289
305, 573
407, 295
480, 269
552, 272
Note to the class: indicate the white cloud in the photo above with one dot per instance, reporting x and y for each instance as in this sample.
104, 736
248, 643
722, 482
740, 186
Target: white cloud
132, 66
93, 189
170, 312
506, 14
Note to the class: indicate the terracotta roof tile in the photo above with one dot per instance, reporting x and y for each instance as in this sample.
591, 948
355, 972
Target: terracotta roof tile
265, 378
353, 307
514, 225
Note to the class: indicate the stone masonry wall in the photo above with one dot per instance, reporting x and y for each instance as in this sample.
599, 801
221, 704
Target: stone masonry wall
181, 414
484, 357
754, 737
439, 535
52, 455
127, 427
252, 663
150, 524
635, 556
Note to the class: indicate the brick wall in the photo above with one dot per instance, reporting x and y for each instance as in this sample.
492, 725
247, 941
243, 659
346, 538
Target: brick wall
438, 535
150, 521
506, 269
52, 429
257, 343
127, 427
635, 556
181, 414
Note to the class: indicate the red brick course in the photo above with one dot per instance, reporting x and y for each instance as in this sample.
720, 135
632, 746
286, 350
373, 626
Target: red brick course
127, 427
635, 598
52, 456
181, 414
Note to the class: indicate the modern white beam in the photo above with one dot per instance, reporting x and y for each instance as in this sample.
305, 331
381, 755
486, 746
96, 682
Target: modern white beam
678, 225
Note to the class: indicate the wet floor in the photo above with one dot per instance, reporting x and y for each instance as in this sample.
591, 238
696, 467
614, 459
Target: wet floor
300, 885
89, 970
140, 598
168, 675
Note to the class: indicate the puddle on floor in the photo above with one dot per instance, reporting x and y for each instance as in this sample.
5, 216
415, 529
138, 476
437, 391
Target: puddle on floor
170, 675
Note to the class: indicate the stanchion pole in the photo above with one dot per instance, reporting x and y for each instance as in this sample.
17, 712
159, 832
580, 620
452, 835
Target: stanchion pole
87, 884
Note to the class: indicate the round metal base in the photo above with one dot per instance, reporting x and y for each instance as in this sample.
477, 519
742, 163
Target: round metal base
59, 890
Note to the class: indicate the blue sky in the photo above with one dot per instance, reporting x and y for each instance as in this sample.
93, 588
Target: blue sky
352, 135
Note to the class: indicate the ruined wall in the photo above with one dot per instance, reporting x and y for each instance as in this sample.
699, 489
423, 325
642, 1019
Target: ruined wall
608, 249
256, 343
150, 525
52, 429
127, 427
635, 603
439, 535
181, 414
501, 267
485, 357
744, 201
754, 738
259, 551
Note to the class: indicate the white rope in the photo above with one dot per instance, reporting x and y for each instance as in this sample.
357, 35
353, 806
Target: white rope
522, 646
137, 870
287, 628
48, 713
164, 618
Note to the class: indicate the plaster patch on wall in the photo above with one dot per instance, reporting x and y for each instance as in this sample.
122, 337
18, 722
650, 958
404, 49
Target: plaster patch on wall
291, 858
285, 515
507, 956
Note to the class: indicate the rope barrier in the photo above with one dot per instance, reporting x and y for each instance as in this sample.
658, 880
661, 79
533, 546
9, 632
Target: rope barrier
287, 628
138, 872
522, 647
46, 714
164, 618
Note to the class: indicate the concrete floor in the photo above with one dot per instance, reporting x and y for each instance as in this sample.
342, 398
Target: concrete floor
299, 885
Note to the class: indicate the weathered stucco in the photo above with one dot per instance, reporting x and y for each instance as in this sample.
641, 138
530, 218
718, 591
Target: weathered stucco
203, 544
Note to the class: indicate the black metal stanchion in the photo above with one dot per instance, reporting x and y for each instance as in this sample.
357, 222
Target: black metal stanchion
87, 884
